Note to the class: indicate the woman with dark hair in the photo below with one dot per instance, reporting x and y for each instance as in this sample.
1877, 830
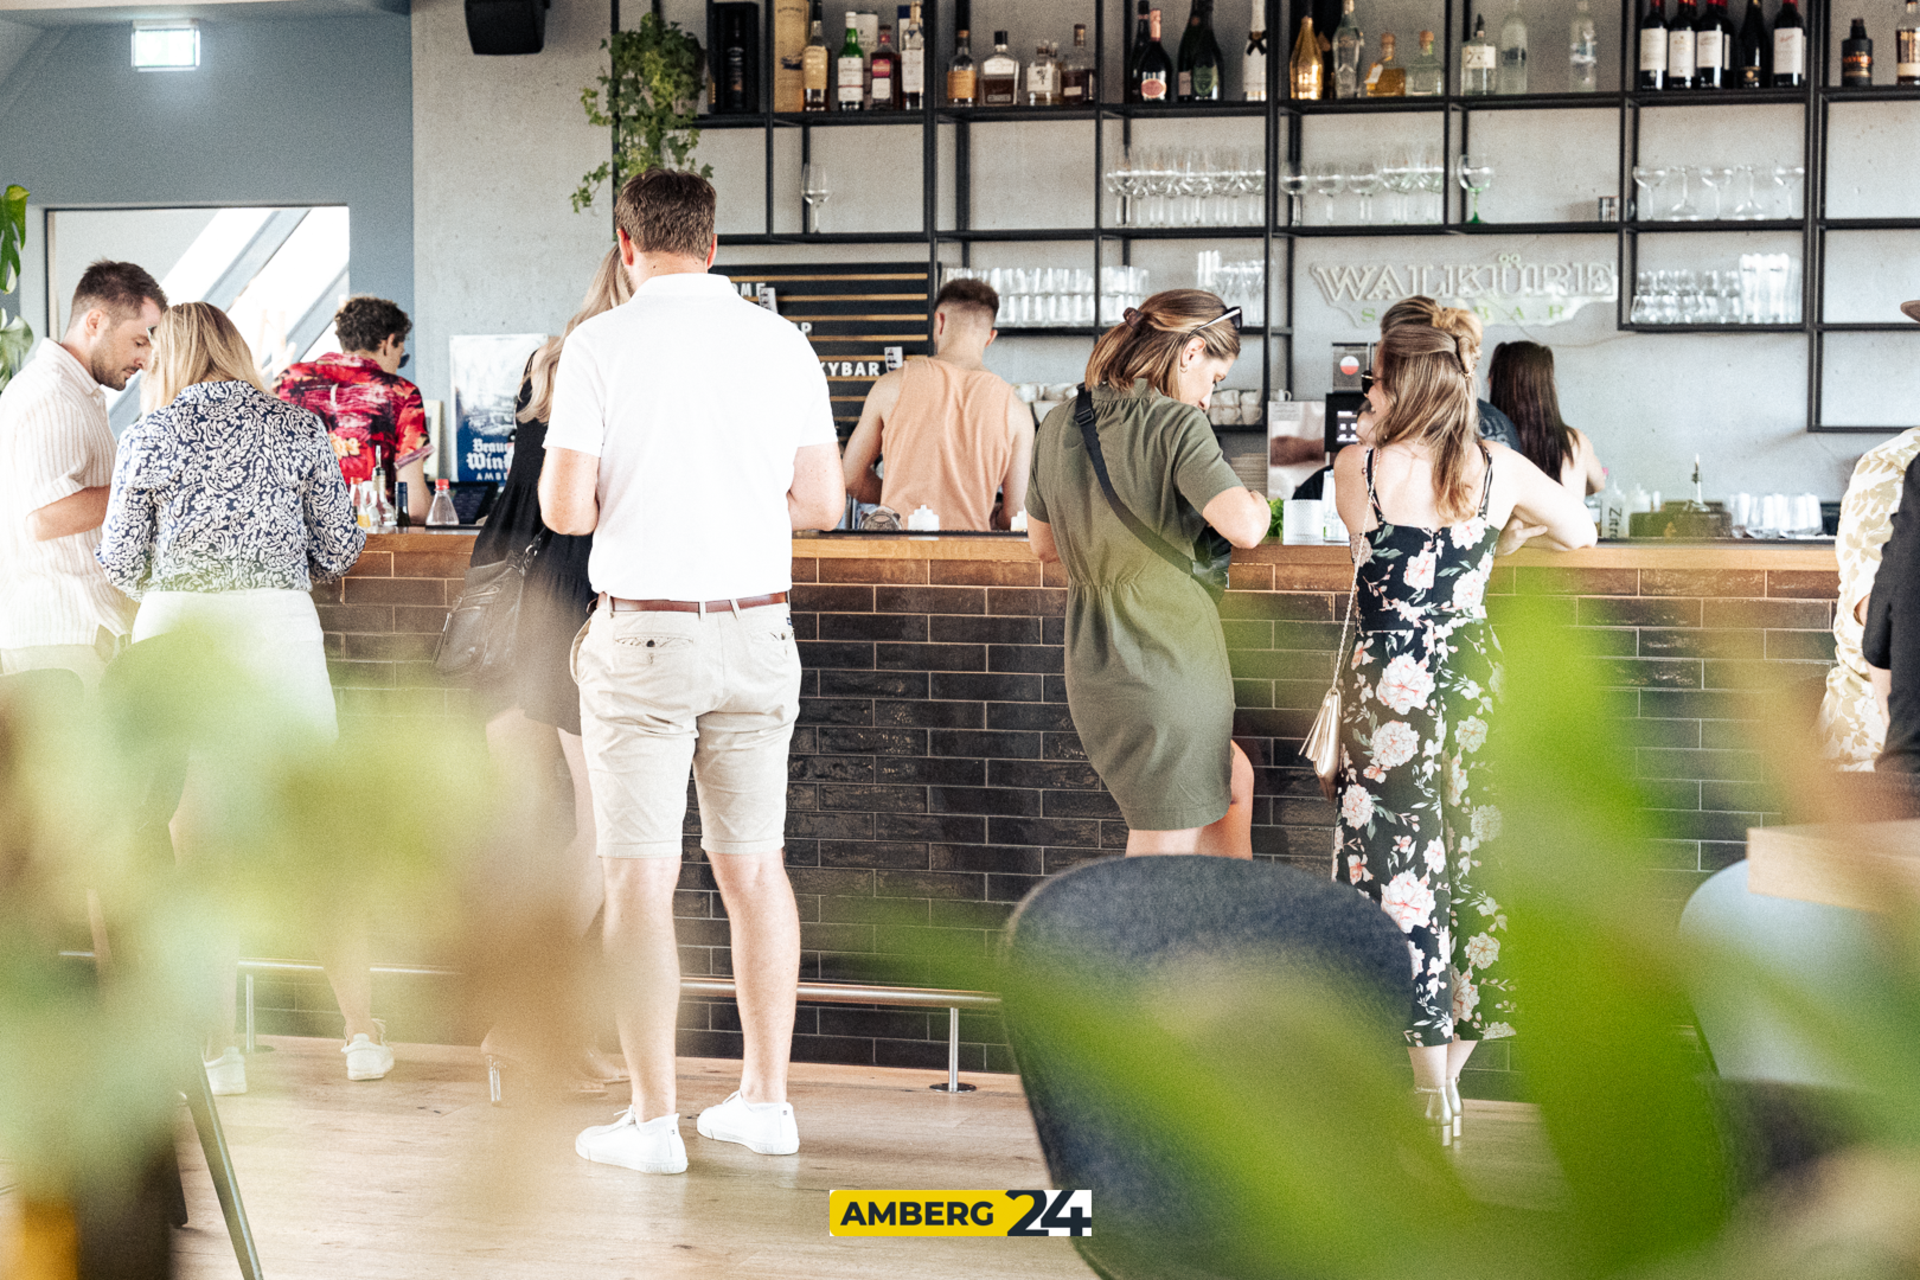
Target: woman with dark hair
1425, 501
1520, 383
1146, 664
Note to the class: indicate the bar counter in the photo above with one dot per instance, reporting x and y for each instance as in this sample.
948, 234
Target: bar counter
936, 768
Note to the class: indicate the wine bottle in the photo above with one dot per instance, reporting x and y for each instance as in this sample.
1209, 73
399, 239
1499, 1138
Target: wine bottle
1253, 63
1653, 46
813, 65
1150, 78
1680, 46
913, 58
884, 78
850, 70
1789, 47
1713, 47
1906, 47
1752, 53
1856, 57
1477, 62
1513, 51
1199, 72
1304, 69
1425, 76
1583, 51
1349, 45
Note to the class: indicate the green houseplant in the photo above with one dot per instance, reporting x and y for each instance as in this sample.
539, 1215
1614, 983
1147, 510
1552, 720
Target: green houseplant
15, 335
647, 98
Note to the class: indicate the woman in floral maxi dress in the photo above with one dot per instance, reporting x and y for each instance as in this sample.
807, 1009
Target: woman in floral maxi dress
1428, 500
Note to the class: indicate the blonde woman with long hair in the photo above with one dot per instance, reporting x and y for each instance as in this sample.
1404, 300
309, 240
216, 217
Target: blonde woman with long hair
539, 701
227, 507
1425, 499
1464, 327
1146, 660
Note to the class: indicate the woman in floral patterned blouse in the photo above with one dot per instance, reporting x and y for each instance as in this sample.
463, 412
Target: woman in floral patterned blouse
1427, 500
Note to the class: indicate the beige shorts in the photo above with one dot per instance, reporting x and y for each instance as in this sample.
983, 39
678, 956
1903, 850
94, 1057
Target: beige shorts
662, 692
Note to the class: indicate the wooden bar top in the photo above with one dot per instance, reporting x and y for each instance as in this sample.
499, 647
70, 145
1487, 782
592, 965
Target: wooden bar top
1868, 866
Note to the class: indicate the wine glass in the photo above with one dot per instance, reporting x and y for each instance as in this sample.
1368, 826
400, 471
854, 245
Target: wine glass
1788, 177
1116, 182
1685, 210
1250, 180
1648, 178
1398, 174
1293, 178
1748, 209
815, 188
1716, 178
1476, 175
1329, 182
1430, 178
1198, 183
1363, 179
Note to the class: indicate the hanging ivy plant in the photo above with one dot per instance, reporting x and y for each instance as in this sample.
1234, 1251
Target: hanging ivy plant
648, 98
15, 336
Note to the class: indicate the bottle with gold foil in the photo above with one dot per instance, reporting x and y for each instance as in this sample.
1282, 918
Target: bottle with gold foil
1304, 70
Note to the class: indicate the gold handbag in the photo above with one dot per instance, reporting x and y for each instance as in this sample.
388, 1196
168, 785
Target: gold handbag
1322, 745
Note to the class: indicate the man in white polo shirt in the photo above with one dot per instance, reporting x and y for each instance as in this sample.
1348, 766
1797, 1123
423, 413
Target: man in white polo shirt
57, 608
691, 434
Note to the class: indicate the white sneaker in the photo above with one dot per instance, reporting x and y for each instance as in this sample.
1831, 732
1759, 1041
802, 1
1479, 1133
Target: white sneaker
227, 1074
367, 1060
653, 1147
766, 1127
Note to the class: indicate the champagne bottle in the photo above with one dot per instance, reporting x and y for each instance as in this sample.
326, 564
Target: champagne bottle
1150, 78
1199, 70
1680, 46
1653, 46
1349, 46
1583, 51
1789, 47
1713, 47
1856, 58
1906, 47
1253, 63
1752, 52
1303, 69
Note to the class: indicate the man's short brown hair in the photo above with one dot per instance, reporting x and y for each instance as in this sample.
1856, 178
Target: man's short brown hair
667, 211
118, 288
364, 322
973, 298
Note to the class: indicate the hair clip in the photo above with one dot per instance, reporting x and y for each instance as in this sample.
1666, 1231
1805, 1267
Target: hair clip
1132, 317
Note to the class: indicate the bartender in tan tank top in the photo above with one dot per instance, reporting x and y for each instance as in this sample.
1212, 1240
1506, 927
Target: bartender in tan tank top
952, 432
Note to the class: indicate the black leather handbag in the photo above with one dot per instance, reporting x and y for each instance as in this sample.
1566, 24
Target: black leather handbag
477, 642
1212, 553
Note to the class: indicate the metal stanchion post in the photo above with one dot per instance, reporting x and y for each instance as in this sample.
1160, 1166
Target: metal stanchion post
952, 1083
250, 1045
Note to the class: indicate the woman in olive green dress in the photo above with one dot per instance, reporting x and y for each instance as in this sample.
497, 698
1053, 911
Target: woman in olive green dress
1146, 663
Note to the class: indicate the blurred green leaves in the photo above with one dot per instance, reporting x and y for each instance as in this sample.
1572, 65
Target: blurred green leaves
15, 336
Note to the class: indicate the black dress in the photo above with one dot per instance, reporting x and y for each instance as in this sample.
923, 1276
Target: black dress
557, 599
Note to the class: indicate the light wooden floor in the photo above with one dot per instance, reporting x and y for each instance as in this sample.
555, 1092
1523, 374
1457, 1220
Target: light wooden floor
418, 1176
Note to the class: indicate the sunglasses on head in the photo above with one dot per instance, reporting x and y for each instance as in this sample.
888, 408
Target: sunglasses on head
1231, 315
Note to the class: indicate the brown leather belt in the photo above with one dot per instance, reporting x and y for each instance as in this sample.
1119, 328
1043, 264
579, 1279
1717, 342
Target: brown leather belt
617, 604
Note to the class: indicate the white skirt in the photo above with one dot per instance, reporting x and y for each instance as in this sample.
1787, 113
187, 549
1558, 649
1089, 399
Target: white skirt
272, 634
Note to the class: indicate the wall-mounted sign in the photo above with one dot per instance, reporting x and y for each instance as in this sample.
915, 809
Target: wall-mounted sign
1510, 290
487, 370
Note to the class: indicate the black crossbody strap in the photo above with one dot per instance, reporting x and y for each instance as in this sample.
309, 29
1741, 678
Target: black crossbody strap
1083, 414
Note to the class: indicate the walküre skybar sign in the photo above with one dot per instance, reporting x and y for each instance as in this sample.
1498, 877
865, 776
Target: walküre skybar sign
1507, 291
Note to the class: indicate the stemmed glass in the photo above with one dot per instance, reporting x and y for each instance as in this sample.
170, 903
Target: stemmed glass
1430, 178
1476, 175
1293, 178
815, 188
1250, 180
1685, 210
1788, 177
1399, 174
1648, 178
1748, 209
1363, 180
1198, 182
1715, 178
1116, 183
1329, 182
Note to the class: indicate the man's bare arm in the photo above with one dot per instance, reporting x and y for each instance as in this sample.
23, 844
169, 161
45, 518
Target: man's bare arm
569, 491
863, 446
75, 513
1013, 485
818, 497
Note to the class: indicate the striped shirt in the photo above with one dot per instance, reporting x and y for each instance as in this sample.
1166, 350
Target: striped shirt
54, 441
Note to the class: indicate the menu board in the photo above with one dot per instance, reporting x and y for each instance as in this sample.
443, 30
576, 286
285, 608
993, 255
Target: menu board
862, 319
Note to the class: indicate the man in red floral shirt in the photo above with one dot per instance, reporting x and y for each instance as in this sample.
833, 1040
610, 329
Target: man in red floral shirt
367, 406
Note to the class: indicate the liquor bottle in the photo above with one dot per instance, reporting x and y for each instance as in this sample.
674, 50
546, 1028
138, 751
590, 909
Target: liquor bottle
913, 58
1349, 46
1199, 71
442, 512
1150, 78
731, 94
962, 79
1583, 51
1426, 78
1906, 47
813, 65
1653, 46
1076, 71
1713, 47
1681, 46
884, 76
1043, 78
999, 75
1856, 57
402, 518
1513, 51
1303, 69
1387, 78
1752, 53
1477, 62
1253, 63
850, 70
1789, 47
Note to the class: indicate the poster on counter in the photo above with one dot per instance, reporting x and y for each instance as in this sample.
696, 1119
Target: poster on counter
486, 383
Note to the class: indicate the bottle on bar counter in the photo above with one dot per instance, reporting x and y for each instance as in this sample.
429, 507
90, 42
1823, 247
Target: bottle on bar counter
1478, 59
999, 75
1349, 46
913, 58
813, 66
1387, 78
1199, 70
1713, 47
1303, 68
1681, 46
402, 518
1150, 75
963, 81
1076, 71
1583, 51
1856, 57
1513, 52
1752, 52
1043, 77
442, 512
850, 70
1653, 47
1906, 47
1253, 63
884, 76
1789, 47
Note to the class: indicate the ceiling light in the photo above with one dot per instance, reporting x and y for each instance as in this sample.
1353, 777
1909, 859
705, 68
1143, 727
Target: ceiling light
172, 45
